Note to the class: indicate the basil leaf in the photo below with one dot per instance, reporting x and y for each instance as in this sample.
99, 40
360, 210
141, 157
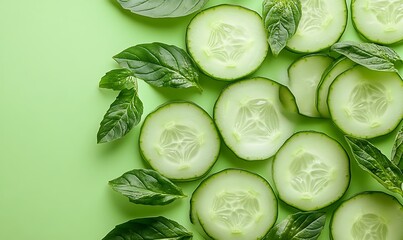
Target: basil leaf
301, 225
118, 79
149, 229
281, 19
160, 65
144, 186
370, 55
123, 114
397, 150
378, 165
163, 8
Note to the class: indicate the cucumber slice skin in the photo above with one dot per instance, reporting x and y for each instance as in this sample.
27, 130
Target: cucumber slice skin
240, 177
298, 44
213, 138
364, 123
213, 66
303, 83
336, 68
319, 142
387, 201
248, 90
288, 101
379, 35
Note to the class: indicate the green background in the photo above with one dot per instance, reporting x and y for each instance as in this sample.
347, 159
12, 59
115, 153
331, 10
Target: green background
53, 175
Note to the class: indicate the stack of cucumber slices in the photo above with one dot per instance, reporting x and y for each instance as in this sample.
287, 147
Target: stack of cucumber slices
354, 87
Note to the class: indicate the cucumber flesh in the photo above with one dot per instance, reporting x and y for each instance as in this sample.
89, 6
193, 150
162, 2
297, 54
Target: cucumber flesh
368, 216
311, 171
328, 77
251, 118
365, 103
304, 76
380, 21
179, 140
233, 204
322, 24
227, 42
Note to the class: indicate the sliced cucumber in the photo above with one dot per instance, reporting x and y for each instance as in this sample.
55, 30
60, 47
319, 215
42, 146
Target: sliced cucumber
180, 141
365, 103
380, 21
322, 24
251, 119
233, 204
311, 171
335, 69
227, 42
304, 76
368, 216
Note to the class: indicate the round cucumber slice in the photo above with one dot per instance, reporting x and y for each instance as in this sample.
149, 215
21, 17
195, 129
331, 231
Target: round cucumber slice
304, 76
367, 216
227, 42
322, 24
380, 21
365, 103
251, 117
335, 69
311, 171
180, 141
233, 204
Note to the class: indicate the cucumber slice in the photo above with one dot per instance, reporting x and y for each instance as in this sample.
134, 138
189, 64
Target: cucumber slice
304, 76
311, 171
251, 119
227, 42
380, 21
334, 70
322, 24
233, 204
180, 141
368, 216
364, 103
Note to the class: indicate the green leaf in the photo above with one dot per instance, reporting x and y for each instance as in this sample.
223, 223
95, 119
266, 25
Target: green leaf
378, 165
160, 65
301, 226
397, 150
123, 114
144, 186
151, 228
118, 79
163, 8
370, 55
281, 19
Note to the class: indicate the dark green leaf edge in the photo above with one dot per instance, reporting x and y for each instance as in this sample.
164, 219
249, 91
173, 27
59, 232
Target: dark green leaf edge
123, 114
397, 149
370, 55
300, 225
119, 79
148, 182
149, 228
376, 164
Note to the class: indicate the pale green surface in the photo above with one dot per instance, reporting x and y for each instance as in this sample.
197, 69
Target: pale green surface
53, 175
